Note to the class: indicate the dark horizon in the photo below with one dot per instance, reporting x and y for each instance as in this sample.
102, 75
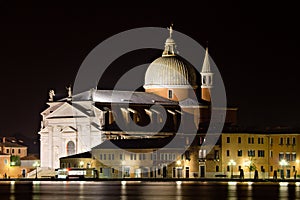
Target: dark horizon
254, 47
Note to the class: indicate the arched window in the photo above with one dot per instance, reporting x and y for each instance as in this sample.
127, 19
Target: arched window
70, 148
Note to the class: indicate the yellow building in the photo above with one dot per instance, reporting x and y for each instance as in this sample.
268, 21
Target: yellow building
283, 154
265, 152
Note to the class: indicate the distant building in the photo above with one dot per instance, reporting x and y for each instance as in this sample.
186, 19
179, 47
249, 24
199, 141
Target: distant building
14, 160
12, 147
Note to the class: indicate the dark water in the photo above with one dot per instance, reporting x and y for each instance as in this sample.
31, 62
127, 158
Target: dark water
147, 190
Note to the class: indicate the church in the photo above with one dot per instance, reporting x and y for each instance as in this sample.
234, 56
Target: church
81, 122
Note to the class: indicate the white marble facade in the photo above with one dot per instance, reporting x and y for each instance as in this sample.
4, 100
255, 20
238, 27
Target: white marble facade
68, 128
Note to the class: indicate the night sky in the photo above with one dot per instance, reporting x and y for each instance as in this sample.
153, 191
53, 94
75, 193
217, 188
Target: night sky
255, 47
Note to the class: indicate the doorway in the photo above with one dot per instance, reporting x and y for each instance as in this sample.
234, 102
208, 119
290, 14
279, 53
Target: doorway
187, 172
202, 171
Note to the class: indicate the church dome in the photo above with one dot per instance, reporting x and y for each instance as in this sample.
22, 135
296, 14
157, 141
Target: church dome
170, 70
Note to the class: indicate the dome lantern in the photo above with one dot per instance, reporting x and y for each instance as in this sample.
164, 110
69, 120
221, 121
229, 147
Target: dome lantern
170, 45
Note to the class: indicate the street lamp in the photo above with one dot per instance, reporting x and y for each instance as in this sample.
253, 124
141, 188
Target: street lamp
36, 165
283, 163
81, 163
231, 163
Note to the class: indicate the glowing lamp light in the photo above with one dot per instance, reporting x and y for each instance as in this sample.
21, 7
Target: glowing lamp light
284, 184
178, 182
231, 162
283, 162
178, 162
297, 161
247, 163
232, 183
123, 182
81, 163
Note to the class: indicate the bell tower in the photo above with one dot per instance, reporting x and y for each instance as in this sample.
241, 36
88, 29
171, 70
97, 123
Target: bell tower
206, 78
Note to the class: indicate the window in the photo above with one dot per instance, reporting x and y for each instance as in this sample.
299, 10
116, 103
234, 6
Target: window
112, 170
287, 141
228, 153
170, 156
132, 156
217, 168
294, 168
121, 156
187, 141
281, 156
170, 94
202, 153
101, 170
260, 140
251, 140
294, 141
271, 154
288, 156
19, 151
281, 141
109, 156
228, 168
104, 156
201, 140
261, 153
228, 139
5, 162
239, 140
154, 156
174, 156
7, 150
187, 155
100, 157
294, 156
217, 156
240, 153
13, 151
271, 141
162, 156
174, 172
251, 153
126, 171
271, 168
70, 148
262, 169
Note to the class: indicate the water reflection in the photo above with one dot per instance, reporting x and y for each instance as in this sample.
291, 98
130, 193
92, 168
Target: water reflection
148, 190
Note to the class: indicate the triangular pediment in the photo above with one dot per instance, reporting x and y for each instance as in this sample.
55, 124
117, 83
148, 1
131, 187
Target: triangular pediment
68, 111
69, 129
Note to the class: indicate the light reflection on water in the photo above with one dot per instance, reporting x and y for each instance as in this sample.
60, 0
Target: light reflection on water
147, 190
